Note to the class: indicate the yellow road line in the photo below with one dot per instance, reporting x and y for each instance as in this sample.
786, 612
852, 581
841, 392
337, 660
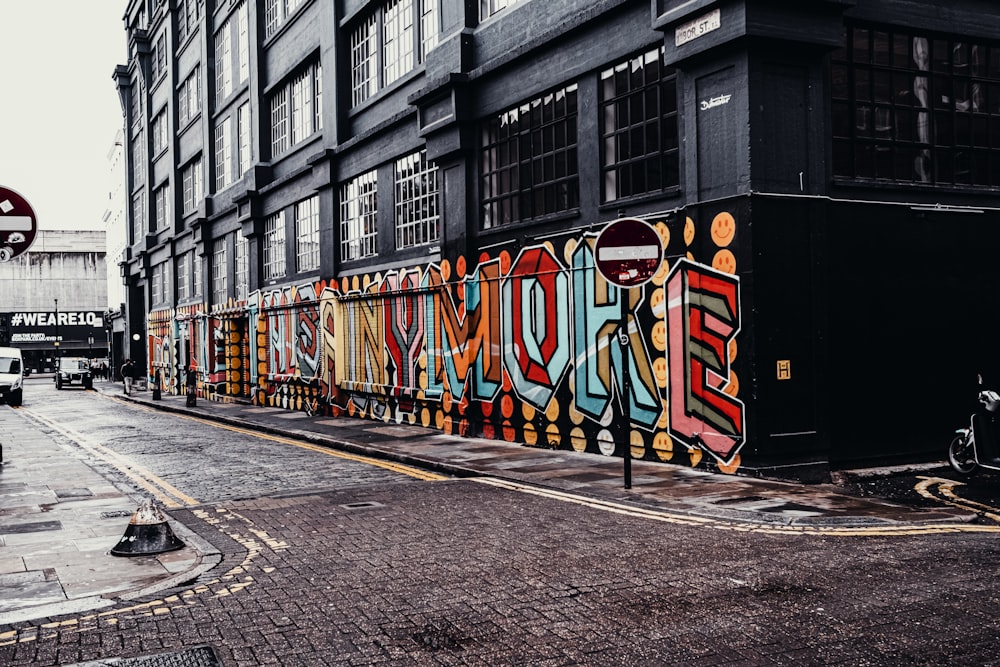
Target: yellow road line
947, 488
718, 524
165, 492
400, 468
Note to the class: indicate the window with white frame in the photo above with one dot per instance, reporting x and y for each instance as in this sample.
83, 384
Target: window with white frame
224, 153
189, 97
158, 59
297, 109
397, 39
135, 102
160, 132
138, 216
364, 60
159, 287
488, 8
161, 207
243, 145
242, 266
139, 157
398, 35
192, 185
184, 276
232, 53
196, 269
233, 153
220, 272
274, 246
188, 14
417, 219
276, 12
359, 216
307, 235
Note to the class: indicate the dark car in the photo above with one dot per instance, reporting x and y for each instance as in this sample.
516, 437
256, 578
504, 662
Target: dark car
74, 371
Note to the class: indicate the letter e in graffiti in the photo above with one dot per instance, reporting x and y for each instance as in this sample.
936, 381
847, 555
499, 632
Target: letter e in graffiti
703, 316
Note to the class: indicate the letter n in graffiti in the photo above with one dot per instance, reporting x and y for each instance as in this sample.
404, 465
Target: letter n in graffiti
703, 316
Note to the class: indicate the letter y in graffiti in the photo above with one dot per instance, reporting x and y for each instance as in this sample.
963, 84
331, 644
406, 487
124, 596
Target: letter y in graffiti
703, 316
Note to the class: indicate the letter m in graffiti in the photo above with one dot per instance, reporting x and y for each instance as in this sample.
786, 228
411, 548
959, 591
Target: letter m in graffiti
703, 316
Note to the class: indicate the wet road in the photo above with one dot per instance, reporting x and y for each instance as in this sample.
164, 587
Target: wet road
329, 562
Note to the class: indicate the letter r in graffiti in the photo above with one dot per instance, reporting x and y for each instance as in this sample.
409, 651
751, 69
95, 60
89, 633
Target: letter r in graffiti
703, 316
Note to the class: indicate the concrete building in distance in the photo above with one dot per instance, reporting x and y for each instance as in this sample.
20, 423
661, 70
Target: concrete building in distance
53, 298
116, 235
388, 209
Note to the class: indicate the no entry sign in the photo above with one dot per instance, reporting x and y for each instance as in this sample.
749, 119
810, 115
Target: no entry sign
18, 224
628, 252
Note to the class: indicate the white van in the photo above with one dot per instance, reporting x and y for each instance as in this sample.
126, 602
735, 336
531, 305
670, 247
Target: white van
11, 375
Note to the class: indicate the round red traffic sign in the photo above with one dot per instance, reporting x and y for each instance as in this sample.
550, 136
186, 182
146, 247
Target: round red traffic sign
628, 252
18, 224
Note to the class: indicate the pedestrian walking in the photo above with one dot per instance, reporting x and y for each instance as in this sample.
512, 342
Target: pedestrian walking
128, 375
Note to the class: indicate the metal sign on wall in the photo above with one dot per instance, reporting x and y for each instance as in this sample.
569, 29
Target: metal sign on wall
18, 225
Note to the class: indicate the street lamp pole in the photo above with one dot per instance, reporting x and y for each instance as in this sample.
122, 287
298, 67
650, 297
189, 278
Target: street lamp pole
57, 327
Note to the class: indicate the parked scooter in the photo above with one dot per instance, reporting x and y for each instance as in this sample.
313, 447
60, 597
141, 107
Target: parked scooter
979, 445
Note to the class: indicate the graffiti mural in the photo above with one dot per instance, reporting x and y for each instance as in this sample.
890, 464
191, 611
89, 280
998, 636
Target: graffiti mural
527, 346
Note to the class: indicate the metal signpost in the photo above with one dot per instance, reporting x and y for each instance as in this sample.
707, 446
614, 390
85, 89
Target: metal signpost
18, 225
628, 252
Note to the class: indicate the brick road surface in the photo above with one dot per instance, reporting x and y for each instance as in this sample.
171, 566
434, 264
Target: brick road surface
461, 572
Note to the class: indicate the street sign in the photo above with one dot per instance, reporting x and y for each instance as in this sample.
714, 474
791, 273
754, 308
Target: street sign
18, 225
628, 252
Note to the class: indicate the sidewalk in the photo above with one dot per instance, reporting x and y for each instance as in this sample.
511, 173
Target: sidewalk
59, 517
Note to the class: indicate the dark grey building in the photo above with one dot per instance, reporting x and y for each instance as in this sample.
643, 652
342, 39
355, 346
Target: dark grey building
393, 210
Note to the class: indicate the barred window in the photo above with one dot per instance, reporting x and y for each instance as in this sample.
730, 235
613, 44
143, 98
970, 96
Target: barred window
276, 12
188, 14
910, 107
232, 53
224, 153
160, 132
408, 32
274, 246
296, 109
417, 218
161, 207
158, 60
220, 272
359, 216
529, 160
397, 39
159, 289
138, 216
196, 272
641, 151
364, 61
488, 8
243, 147
192, 185
189, 97
183, 276
242, 266
307, 235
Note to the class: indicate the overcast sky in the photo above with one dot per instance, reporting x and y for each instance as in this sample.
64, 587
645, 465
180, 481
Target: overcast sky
59, 109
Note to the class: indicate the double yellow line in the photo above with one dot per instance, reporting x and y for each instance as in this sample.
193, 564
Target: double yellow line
172, 497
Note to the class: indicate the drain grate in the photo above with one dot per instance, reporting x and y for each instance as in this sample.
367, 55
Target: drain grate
362, 505
198, 656
116, 514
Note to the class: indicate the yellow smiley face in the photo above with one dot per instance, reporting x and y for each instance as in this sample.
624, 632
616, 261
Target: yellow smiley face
724, 261
659, 336
723, 229
688, 232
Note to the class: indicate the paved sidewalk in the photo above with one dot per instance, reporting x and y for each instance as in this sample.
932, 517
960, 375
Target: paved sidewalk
59, 517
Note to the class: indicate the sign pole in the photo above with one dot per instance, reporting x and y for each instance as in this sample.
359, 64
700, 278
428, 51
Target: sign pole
628, 252
623, 339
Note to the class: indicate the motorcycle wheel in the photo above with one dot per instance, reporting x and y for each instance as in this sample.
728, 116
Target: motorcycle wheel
960, 456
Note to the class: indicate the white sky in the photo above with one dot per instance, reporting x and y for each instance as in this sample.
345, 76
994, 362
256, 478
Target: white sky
59, 109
